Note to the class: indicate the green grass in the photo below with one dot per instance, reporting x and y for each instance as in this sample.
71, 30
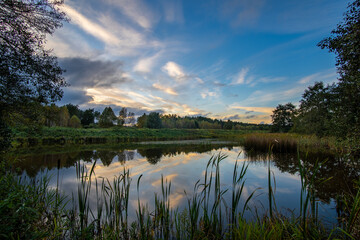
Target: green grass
63, 136
29, 209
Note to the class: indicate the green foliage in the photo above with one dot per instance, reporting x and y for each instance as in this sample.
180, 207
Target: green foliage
131, 118
174, 121
316, 111
345, 43
153, 120
29, 116
88, 117
55, 116
107, 118
122, 116
282, 118
333, 110
74, 110
74, 122
5, 136
28, 71
228, 125
80, 136
26, 205
141, 121
63, 117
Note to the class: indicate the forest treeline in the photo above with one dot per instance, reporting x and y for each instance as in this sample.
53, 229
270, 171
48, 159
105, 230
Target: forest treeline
70, 115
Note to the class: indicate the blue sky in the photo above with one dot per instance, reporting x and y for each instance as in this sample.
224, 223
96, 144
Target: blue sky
230, 59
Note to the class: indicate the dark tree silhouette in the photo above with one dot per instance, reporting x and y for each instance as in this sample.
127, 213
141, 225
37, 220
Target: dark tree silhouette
282, 117
28, 72
345, 43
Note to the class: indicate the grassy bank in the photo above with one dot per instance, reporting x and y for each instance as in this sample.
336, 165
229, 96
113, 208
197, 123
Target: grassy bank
63, 136
289, 142
31, 210
251, 140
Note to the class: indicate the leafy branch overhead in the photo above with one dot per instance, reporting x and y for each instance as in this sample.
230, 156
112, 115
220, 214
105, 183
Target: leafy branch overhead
28, 70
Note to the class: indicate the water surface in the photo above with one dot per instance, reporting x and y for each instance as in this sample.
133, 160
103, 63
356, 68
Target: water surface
183, 163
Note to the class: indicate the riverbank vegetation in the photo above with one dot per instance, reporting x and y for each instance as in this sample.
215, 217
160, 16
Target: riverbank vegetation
292, 142
65, 136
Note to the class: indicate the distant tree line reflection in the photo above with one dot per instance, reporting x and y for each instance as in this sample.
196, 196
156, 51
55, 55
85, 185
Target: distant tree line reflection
339, 172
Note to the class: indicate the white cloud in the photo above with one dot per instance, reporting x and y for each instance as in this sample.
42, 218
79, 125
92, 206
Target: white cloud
174, 70
64, 47
119, 39
145, 65
89, 26
206, 94
130, 41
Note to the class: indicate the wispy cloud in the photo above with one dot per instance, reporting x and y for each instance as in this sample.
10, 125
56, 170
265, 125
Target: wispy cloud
243, 77
240, 78
254, 118
167, 90
146, 65
140, 100
242, 13
137, 11
327, 76
118, 39
90, 26
64, 47
173, 11
199, 80
271, 79
267, 110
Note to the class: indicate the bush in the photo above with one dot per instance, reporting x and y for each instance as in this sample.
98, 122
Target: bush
75, 122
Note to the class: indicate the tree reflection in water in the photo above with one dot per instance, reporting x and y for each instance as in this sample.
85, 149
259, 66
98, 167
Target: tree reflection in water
340, 172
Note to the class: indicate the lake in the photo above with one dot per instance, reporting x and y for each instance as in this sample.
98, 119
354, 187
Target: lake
184, 163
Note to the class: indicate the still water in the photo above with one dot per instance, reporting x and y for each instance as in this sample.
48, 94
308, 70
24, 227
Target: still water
184, 163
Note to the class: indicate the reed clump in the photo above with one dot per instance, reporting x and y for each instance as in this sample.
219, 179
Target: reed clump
290, 143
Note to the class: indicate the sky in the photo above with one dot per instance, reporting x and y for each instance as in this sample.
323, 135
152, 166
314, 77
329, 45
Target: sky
229, 59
